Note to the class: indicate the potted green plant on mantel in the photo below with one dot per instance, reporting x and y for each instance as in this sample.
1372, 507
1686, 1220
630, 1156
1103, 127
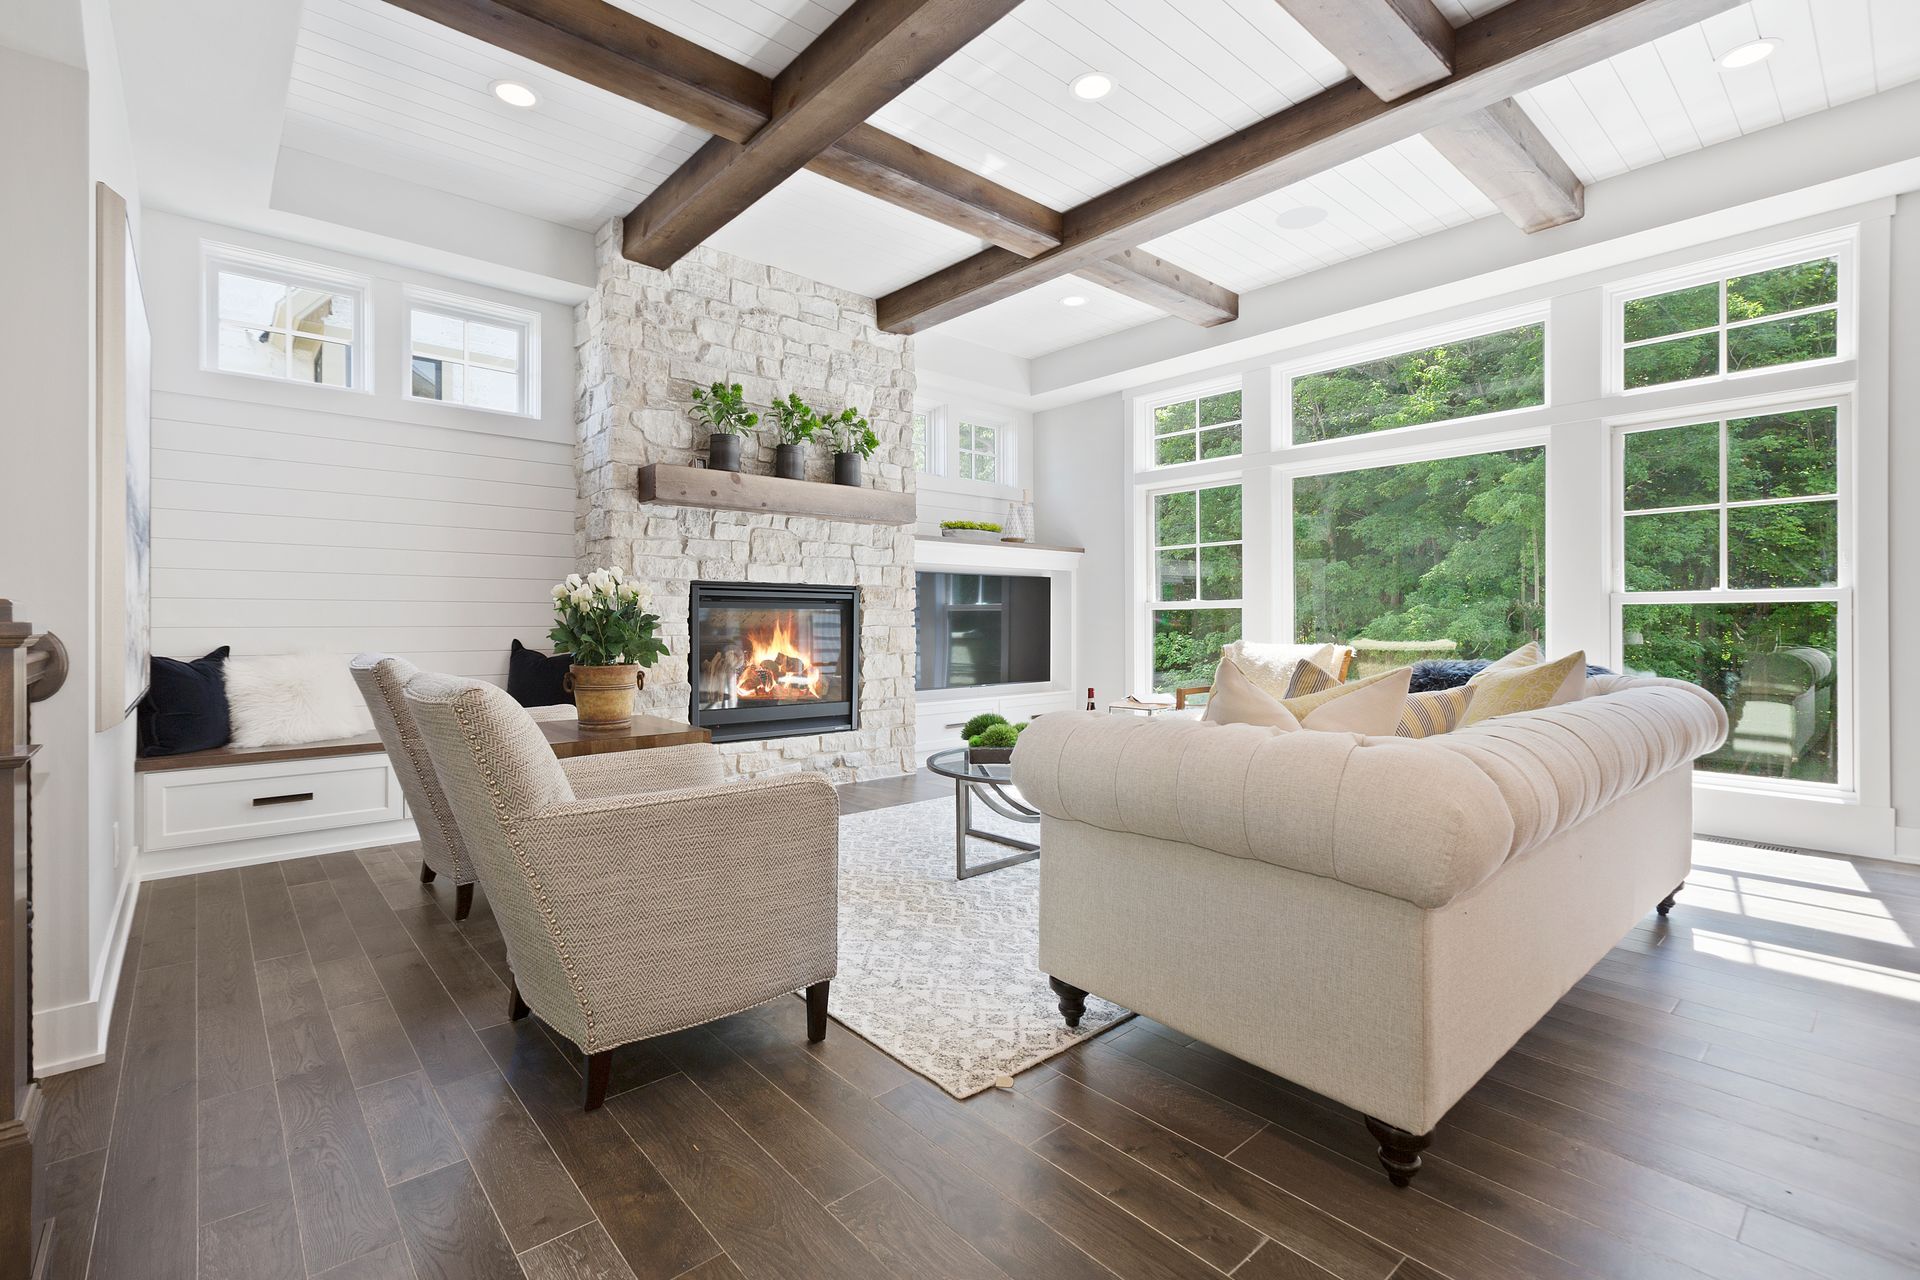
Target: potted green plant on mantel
795, 421
990, 739
602, 620
970, 530
852, 440
723, 410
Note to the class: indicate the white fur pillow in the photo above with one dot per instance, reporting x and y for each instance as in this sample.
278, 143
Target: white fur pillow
1269, 667
284, 699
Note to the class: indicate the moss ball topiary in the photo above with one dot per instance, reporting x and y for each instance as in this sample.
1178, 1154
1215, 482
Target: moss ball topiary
997, 735
979, 725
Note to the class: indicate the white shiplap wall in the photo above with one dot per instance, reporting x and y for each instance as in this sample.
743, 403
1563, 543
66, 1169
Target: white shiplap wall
290, 518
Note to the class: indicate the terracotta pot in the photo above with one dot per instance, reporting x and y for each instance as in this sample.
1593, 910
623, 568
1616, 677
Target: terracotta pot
605, 694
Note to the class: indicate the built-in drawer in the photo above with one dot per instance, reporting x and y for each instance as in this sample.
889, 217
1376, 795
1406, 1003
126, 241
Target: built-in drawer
187, 807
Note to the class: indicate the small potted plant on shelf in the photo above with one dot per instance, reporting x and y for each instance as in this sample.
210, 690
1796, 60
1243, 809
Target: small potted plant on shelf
723, 410
852, 440
990, 739
796, 421
602, 619
970, 530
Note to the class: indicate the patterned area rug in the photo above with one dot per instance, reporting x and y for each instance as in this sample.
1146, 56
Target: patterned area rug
943, 974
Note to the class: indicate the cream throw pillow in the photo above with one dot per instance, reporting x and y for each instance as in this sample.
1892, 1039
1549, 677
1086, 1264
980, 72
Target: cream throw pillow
1370, 706
1269, 667
1525, 688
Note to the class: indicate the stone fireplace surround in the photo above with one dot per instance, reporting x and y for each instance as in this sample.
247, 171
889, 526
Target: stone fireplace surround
644, 339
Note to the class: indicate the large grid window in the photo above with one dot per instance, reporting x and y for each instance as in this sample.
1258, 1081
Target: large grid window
1731, 553
1197, 427
1463, 378
1756, 320
472, 354
269, 319
979, 452
1198, 580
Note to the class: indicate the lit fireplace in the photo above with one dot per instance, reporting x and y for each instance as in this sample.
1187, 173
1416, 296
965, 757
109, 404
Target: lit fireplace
773, 660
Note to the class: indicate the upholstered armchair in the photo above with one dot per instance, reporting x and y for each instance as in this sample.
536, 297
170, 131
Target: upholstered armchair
631, 912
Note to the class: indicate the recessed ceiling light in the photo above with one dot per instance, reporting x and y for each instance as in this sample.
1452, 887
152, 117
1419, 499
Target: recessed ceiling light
1073, 300
1746, 55
1093, 86
1300, 217
514, 94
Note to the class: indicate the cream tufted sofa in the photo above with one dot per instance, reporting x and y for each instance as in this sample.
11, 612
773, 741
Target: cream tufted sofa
1378, 919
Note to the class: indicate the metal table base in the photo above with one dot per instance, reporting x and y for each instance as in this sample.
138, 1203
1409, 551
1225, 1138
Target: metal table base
1001, 803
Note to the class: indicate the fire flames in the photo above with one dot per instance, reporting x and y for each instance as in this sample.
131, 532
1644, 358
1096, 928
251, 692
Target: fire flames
779, 670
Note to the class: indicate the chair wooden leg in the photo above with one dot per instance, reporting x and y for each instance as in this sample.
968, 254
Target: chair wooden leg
426, 873
599, 1074
817, 1012
1666, 903
516, 1007
1399, 1150
462, 901
1073, 1001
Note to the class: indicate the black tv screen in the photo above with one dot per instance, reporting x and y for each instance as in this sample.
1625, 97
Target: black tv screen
983, 629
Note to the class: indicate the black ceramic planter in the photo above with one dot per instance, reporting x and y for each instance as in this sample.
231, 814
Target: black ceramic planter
789, 463
846, 468
723, 452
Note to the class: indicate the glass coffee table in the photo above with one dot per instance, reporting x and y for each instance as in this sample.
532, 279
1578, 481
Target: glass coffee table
993, 785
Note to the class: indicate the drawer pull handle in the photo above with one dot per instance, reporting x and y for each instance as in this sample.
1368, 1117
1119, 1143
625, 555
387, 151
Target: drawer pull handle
294, 798
957, 724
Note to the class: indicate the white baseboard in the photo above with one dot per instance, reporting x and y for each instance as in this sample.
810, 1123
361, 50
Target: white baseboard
167, 863
75, 1035
1801, 822
1906, 844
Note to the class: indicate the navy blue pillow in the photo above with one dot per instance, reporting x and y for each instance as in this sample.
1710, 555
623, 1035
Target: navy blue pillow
186, 705
535, 680
1450, 673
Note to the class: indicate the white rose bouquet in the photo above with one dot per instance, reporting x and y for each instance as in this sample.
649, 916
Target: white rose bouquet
602, 620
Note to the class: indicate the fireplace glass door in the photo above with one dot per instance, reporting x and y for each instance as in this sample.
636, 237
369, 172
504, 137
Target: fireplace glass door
772, 660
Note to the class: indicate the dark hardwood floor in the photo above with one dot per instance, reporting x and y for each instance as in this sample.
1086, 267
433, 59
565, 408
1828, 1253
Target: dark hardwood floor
311, 1074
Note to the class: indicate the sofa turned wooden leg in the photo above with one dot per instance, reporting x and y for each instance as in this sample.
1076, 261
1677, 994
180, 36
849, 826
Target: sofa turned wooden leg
599, 1074
426, 873
1666, 903
516, 1007
1073, 1001
1399, 1150
817, 1012
462, 901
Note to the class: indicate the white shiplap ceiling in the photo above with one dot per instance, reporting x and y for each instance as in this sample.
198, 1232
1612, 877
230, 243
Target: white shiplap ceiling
378, 87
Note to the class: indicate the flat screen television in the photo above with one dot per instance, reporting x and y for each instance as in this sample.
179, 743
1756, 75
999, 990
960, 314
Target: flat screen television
983, 629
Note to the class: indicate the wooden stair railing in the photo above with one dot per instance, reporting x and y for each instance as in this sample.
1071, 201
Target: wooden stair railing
32, 668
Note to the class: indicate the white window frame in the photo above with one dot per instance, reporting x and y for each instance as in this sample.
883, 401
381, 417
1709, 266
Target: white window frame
1843, 246
1001, 453
1145, 577
1144, 439
1404, 342
526, 324
216, 257
1842, 398
935, 416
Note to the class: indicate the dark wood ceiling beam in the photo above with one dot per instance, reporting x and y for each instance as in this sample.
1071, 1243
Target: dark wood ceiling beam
1391, 46
872, 53
1157, 282
1510, 50
614, 50
1502, 152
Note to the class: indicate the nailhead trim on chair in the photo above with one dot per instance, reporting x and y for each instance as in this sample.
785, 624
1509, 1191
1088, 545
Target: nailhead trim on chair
458, 705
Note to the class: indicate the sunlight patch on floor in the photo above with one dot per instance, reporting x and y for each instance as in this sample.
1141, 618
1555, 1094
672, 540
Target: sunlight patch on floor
1864, 918
1857, 974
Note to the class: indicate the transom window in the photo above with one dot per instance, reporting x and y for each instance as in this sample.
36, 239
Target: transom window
1198, 580
1464, 378
471, 353
1757, 320
269, 318
979, 452
1196, 427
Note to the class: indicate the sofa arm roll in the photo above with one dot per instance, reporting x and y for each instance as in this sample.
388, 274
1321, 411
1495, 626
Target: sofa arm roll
1380, 814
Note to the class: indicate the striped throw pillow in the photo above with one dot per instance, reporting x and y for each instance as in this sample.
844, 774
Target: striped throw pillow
1310, 677
1437, 711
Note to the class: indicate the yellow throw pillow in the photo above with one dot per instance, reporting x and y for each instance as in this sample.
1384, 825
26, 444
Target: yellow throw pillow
1527, 655
1529, 688
1437, 711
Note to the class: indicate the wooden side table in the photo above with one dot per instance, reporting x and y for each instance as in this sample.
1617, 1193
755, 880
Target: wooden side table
568, 739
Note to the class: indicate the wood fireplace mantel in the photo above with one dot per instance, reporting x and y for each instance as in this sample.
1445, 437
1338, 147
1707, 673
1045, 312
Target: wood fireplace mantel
737, 491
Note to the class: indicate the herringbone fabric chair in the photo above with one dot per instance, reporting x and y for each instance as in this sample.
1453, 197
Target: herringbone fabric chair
632, 915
